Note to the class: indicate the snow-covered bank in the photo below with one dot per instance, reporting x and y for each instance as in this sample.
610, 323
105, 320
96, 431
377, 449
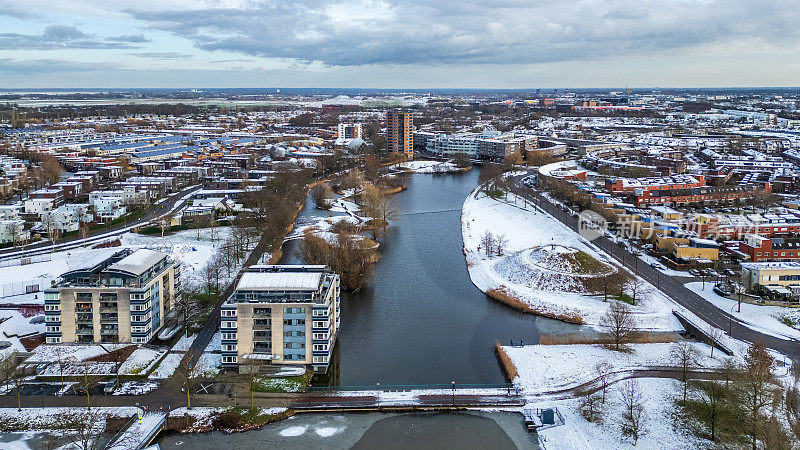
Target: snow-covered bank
520, 273
427, 167
659, 429
544, 369
764, 319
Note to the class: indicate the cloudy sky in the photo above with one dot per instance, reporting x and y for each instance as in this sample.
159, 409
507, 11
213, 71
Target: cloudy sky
399, 43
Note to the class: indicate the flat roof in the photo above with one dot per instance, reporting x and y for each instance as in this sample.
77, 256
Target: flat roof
285, 281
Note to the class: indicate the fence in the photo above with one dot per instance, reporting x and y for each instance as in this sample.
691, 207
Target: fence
24, 287
26, 260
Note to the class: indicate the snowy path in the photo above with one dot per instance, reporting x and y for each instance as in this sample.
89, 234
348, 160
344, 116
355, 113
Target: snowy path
140, 432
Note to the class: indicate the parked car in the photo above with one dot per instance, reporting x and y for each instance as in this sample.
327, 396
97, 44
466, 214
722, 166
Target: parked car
712, 273
110, 387
694, 272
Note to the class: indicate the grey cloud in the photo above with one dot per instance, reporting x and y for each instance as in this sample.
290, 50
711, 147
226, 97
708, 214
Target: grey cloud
455, 32
15, 11
56, 37
161, 55
133, 38
49, 66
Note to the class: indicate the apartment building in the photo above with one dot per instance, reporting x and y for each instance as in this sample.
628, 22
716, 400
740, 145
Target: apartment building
112, 296
784, 274
399, 133
280, 314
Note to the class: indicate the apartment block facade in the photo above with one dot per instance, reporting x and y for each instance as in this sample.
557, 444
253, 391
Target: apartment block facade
400, 133
280, 314
120, 296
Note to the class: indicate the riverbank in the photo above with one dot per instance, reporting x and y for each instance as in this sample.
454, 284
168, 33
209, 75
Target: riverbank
545, 268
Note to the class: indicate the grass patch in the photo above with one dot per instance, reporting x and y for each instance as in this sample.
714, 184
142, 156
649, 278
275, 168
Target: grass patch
508, 366
503, 296
623, 297
282, 384
586, 263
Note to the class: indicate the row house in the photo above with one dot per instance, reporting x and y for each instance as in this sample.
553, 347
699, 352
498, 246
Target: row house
760, 248
705, 195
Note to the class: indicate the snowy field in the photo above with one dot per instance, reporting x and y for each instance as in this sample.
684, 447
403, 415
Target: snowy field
426, 167
167, 367
14, 325
184, 343
140, 361
764, 319
659, 432
545, 369
525, 227
183, 246
208, 365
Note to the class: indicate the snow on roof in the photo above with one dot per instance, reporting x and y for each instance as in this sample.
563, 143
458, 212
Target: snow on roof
138, 262
87, 260
286, 281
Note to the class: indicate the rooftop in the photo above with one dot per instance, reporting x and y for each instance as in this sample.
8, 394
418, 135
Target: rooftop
285, 281
138, 262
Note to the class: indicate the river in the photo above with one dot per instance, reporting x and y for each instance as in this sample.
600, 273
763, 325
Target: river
421, 320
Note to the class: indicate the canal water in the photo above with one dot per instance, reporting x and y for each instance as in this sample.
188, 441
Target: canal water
421, 320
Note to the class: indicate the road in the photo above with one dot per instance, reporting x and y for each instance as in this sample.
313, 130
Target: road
154, 212
671, 286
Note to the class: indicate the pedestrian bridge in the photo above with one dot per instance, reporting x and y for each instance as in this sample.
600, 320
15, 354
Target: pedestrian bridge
140, 431
409, 397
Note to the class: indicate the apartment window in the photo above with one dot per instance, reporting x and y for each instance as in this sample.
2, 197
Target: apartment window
320, 312
320, 360
320, 336
228, 313
229, 359
320, 347
52, 307
228, 347
228, 324
320, 324
228, 336
54, 329
53, 340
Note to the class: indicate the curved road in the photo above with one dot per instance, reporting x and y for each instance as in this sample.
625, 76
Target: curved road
670, 286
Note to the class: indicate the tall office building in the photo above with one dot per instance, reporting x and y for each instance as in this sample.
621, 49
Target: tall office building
399, 133
281, 315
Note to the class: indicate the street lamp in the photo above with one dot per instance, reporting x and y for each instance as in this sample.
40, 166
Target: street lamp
454, 392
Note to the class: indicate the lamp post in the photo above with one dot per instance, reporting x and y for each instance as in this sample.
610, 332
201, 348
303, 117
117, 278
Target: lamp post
454, 392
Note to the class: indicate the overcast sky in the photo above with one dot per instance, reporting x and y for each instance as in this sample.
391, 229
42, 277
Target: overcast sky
399, 43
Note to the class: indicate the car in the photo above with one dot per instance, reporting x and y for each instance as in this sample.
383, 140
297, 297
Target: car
655, 265
712, 273
694, 272
110, 387
637, 253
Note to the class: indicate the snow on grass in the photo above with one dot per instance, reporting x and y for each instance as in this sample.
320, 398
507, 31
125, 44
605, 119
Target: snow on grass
426, 167
140, 361
208, 365
520, 273
545, 369
184, 247
215, 343
14, 325
44, 418
70, 352
764, 319
167, 366
659, 429
184, 343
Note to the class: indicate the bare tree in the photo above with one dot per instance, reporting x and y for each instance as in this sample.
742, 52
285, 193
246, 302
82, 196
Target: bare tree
501, 241
321, 194
755, 387
488, 242
634, 415
590, 407
618, 323
638, 288
684, 355
714, 337
711, 397
378, 205
603, 370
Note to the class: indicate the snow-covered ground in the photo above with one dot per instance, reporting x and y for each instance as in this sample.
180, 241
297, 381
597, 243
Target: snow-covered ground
14, 325
426, 166
208, 365
764, 319
544, 369
140, 361
184, 343
70, 352
167, 366
659, 430
524, 227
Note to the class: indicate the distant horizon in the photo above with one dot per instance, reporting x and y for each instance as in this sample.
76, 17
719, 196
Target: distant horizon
401, 89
